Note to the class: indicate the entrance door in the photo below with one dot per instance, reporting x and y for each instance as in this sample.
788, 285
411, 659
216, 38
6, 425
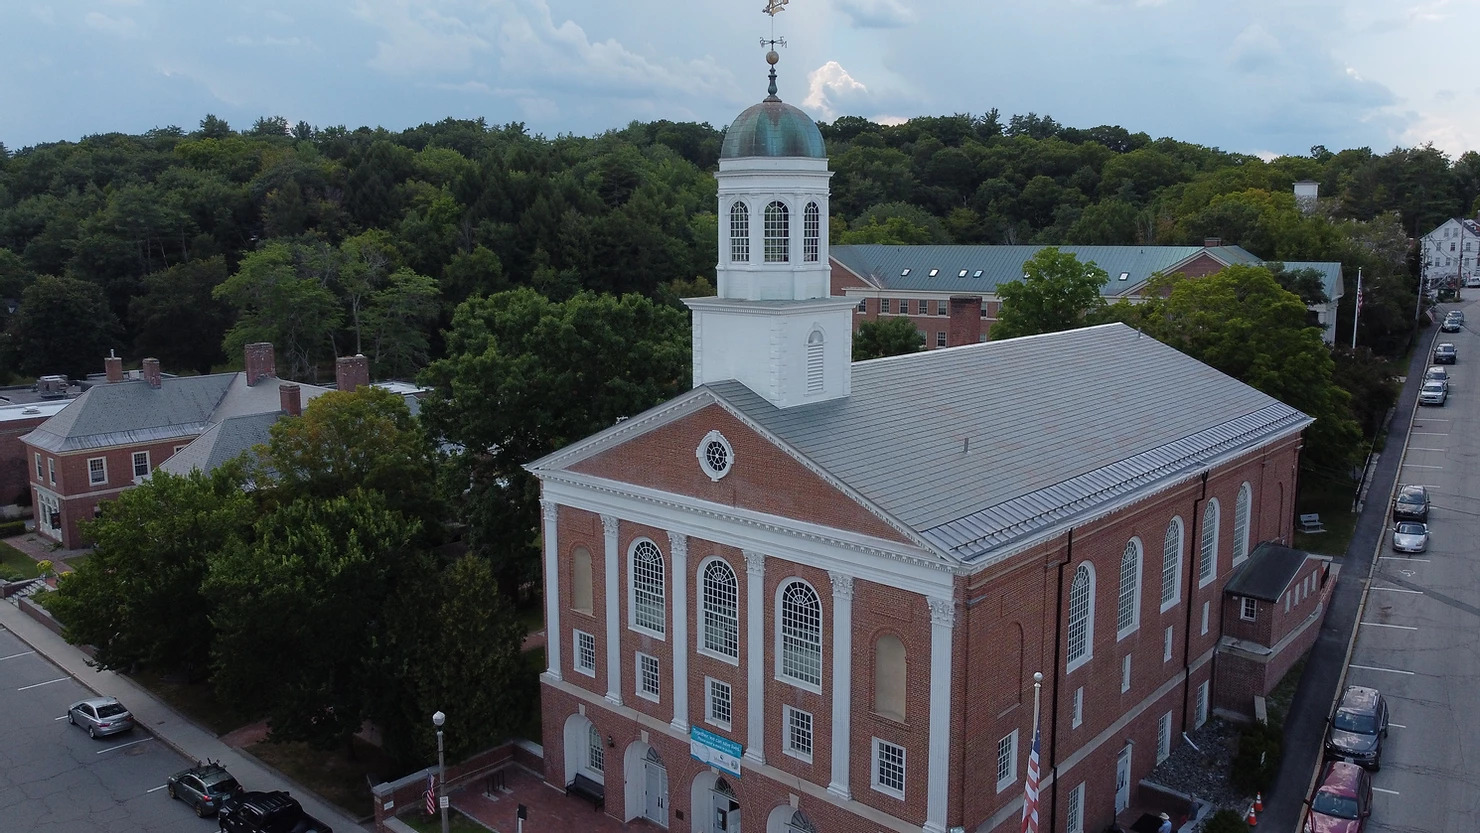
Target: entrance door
655, 807
1123, 780
726, 813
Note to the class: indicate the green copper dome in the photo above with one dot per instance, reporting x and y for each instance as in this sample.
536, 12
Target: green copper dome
772, 128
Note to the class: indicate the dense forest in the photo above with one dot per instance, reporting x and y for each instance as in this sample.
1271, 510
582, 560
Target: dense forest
184, 245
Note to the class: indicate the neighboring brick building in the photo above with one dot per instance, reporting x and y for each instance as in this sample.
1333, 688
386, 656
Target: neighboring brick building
115, 433
812, 594
16, 421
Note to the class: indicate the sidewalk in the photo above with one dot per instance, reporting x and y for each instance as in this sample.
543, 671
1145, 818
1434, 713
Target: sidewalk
164, 723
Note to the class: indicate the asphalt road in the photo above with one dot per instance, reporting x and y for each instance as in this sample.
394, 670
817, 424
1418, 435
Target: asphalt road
55, 779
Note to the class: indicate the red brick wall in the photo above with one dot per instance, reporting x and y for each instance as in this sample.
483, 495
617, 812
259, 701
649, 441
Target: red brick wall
80, 496
16, 466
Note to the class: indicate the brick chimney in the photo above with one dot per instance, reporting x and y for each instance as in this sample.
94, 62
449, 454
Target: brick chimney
351, 372
1212, 242
114, 366
151, 373
259, 362
291, 398
965, 323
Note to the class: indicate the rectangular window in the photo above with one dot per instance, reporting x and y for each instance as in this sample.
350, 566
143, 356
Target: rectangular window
884, 304
1166, 645
1007, 761
1164, 737
51, 470
798, 740
984, 310
941, 307
889, 768
585, 653
1248, 609
1074, 813
718, 712
1205, 619
1288, 595
1078, 710
141, 463
1202, 704
904, 306
1125, 674
940, 338
863, 305
38, 467
647, 677
97, 471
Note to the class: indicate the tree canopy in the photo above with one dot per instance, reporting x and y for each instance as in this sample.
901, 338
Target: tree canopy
1057, 292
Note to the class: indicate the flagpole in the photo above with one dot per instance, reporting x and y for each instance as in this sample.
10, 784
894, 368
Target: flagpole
1357, 311
1030, 793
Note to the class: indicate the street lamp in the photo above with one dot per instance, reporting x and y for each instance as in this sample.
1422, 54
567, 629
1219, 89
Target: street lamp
437, 720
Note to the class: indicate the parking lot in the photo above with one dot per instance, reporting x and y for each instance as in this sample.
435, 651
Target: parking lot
1419, 624
55, 779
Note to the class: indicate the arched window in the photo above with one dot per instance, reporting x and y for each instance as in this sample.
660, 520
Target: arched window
1171, 564
580, 582
595, 752
811, 233
720, 610
739, 233
647, 587
1081, 616
1241, 511
814, 362
800, 824
800, 634
889, 677
1128, 608
1207, 563
778, 232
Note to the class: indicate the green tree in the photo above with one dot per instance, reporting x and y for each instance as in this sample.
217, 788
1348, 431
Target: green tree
1057, 292
177, 319
279, 298
137, 598
891, 336
63, 325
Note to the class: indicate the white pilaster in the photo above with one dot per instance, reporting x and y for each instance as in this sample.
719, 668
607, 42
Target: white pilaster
755, 652
942, 627
679, 545
842, 681
614, 585
553, 639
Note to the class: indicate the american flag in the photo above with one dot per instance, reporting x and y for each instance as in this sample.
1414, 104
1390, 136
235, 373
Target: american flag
1030, 791
431, 794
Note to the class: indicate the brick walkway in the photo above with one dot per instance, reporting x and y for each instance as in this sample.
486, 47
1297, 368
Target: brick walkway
549, 808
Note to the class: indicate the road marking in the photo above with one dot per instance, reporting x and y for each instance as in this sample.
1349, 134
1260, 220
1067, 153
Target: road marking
1397, 590
1412, 466
1428, 434
1403, 558
38, 685
63, 717
162, 786
1421, 448
1397, 726
1381, 790
1376, 668
123, 745
21, 654
1385, 625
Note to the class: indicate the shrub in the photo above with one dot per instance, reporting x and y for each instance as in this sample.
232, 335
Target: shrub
10, 529
1258, 758
1225, 821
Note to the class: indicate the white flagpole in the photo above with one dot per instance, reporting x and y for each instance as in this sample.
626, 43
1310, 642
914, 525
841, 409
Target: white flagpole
1357, 308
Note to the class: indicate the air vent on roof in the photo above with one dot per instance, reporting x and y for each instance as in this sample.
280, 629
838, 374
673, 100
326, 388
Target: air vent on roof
32, 410
934, 272
904, 273
1124, 275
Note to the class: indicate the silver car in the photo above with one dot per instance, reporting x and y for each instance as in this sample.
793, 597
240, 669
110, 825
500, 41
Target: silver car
100, 716
1410, 536
1433, 393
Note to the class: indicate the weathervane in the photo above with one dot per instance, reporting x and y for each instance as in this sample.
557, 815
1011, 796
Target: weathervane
773, 7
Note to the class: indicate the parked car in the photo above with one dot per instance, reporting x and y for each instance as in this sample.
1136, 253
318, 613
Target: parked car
1453, 322
1343, 801
267, 812
1358, 727
1436, 374
100, 716
1433, 393
203, 787
1410, 536
1445, 353
1412, 504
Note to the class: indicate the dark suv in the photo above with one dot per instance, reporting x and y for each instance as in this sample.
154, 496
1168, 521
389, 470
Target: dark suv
1358, 727
267, 812
1412, 504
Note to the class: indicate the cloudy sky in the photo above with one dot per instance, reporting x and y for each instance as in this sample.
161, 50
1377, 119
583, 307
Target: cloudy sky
1254, 76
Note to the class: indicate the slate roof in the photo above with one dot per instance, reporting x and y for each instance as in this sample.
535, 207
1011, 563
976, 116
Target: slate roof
957, 267
985, 446
1267, 572
221, 442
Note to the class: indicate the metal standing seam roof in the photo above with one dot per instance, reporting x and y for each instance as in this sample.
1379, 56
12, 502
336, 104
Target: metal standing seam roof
883, 264
980, 445
1330, 275
1267, 572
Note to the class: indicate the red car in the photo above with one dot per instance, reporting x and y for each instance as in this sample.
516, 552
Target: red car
1342, 802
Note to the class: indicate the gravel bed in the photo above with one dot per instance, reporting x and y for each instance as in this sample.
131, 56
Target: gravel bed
1203, 772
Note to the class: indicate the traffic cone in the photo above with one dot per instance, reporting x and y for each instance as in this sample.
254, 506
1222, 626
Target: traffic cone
1252, 820
1258, 802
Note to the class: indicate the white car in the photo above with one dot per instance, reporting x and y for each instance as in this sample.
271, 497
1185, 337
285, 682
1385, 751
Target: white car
1433, 393
1410, 536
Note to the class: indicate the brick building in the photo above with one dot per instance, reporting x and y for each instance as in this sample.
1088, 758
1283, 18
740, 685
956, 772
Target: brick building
811, 595
115, 433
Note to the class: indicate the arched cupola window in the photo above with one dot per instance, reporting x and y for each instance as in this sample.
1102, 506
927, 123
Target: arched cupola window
811, 233
739, 233
778, 232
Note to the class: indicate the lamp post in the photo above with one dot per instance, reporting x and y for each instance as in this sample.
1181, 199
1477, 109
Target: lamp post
437, 720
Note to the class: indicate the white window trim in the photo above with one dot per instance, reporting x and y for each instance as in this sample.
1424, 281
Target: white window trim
1077, 712
92, 481
786, 747
805, 685
1125, 673
709, 683
134, 464
51, 470
1243, 510
874, 769
1166, 644
1202, 555
1089, 622
575, 655
632, 589
1075, 807
638, 678
1135, 612
1177, 573
1202, 703
40, 475
701, 630
702, 452
1204, 619
1244, 612
1164, 737
1012, 748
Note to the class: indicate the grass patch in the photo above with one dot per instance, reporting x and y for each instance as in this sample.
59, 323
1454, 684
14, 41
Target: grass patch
195, 700
1331, 498
339, 779
16, 565
456, 822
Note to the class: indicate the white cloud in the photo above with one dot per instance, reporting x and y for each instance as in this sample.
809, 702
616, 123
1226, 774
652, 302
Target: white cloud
877, 14
1255, 50
832, 92
123, 27
418, 39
